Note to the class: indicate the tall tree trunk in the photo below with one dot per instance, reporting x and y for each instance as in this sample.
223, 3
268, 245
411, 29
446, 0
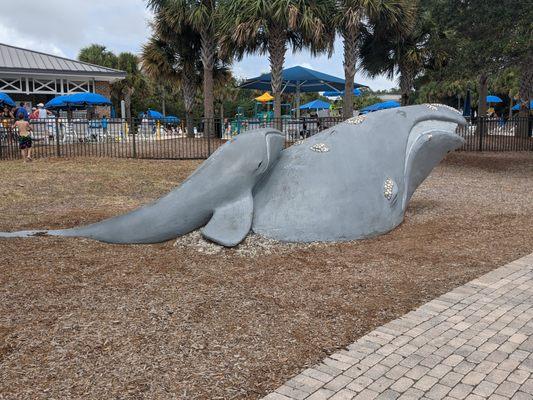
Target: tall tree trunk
482, 105
526, 94
406, 83
188, 90
222, 123
349, 37
277, 47
189, 123
163, 102
482, 102
127, 101
207, 54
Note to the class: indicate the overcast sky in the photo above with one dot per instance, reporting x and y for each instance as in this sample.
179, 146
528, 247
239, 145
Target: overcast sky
62, 27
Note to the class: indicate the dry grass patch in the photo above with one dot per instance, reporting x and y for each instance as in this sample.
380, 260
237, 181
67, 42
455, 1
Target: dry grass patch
82, 319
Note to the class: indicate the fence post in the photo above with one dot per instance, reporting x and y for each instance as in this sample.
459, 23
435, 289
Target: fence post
133, 143
58, 147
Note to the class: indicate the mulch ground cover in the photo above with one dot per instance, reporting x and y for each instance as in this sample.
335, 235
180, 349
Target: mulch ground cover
186, 319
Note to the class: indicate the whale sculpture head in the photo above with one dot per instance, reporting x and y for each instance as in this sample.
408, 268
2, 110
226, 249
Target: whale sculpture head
245, 158
354, 180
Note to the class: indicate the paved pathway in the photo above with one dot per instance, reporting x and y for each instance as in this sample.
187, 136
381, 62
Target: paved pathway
475, 342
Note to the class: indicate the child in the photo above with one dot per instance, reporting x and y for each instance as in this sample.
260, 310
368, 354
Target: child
24, 129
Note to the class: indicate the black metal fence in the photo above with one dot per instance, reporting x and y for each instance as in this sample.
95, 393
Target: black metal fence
497, 134
61, 137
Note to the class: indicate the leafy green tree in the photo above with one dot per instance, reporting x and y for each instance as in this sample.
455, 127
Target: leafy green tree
98, 55
485, 38
402, 54
351, 16
270, 26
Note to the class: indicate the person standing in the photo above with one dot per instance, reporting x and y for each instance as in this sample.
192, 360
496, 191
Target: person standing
21, 110
43, 112
24, 129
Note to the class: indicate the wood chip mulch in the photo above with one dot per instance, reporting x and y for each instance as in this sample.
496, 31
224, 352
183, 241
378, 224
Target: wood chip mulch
189, 320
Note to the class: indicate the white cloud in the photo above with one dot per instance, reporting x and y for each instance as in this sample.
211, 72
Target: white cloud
14, 38
68, 25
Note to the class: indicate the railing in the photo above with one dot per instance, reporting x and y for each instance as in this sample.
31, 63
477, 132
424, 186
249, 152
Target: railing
496, 134
55, 137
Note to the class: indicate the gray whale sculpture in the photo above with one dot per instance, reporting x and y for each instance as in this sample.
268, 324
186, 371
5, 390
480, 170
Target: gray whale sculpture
351, 181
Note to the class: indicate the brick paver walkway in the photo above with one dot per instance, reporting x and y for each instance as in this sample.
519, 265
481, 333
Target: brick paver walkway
475, 342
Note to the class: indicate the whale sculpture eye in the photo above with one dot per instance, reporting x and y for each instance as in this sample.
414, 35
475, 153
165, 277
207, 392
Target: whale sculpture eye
259, 165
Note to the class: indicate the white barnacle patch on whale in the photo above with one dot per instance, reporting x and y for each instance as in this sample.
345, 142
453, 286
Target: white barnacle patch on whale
431, 107
320, 148
388, 188
356, 120
446, 106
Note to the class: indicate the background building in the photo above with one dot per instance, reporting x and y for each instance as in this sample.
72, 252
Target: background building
34, 77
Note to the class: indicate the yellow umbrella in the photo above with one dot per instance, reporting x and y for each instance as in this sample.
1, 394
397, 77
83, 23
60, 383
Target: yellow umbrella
264, 97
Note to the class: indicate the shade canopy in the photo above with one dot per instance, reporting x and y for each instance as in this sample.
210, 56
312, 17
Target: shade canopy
298, 79
356, 92
381, 106
516, 107
265, 97
6, 100
316, 105
493, 99
78, 100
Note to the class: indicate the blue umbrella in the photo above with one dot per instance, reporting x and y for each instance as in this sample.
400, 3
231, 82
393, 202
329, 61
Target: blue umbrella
356, 92
316, 105
517, 106
87, 99
5, 99
172, 119
493, 99
380, 106
57, 102
152, 114
78, 100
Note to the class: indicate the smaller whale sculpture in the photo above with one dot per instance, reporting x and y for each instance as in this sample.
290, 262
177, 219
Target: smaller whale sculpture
217, 197
351, 181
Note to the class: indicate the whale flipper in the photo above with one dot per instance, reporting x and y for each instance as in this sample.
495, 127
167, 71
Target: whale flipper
231, 222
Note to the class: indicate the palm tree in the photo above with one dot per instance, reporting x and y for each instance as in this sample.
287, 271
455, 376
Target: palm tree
175, 58
270, 26
201, 16
134, 80
98, 55
351, 15
405, 54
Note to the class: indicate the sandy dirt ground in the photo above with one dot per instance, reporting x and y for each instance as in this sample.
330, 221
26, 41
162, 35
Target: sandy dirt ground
186, 319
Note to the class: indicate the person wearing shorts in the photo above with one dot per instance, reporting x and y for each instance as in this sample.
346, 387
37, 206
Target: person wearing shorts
24, 129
